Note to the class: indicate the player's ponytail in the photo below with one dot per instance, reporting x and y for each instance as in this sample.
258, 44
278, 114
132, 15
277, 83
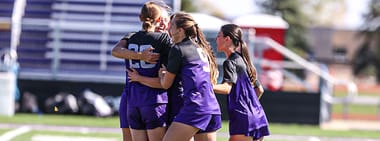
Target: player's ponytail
150, 13
202, 42
247, 60
193, 32
235, 33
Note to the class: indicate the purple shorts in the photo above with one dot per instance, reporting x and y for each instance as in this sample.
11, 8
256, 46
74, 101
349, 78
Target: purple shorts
242, 124
255, 134
123, 110
147, 117
172, 110
206, 123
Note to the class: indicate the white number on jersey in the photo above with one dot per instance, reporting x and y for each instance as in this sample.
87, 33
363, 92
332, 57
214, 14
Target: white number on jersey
203, 57
139, 63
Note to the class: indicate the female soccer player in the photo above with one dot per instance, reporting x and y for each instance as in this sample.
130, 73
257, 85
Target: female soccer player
189, 58
247, 118
147, 106
120, 51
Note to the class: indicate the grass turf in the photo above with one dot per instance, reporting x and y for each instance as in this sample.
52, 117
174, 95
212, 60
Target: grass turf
67, 120
2, 131
76, 120
28, 136
357, 109
113, 122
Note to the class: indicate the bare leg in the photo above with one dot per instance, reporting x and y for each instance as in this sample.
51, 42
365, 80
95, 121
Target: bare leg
126, 134
210, 136
261, 139
139, 135
240, 138
180, 132
156, 134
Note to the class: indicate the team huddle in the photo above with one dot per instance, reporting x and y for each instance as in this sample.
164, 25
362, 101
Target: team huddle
171, 81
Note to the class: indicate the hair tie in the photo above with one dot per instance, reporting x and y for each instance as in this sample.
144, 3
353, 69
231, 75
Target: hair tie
196, 25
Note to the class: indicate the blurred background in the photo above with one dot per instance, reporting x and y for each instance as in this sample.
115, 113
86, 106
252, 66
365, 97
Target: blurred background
317, 59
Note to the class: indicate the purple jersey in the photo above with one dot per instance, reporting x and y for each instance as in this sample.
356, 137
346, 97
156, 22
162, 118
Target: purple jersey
141, 95
175, 96
190, 62
245, 111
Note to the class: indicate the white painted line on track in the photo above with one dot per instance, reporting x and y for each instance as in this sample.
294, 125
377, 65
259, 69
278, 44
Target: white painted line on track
14, 133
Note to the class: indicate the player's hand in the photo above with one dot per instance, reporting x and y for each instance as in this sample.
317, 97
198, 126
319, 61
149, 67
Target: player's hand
133, 75
149, 56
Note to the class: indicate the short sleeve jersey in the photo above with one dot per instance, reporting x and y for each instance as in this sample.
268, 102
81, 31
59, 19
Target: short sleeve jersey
233, 66
242, 98
141, 95
190, 62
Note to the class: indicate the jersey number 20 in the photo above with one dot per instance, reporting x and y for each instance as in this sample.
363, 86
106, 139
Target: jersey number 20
139, 63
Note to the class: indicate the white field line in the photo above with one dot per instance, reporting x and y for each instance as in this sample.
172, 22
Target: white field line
14, 133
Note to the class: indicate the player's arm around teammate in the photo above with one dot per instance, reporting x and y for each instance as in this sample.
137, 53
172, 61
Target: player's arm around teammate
200, 114
120, 51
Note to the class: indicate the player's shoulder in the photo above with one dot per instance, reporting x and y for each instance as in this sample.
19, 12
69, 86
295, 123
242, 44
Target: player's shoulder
228, 62
186, 48
231, 60
161, 38
160, 35
235, 56
128, 35
185, 43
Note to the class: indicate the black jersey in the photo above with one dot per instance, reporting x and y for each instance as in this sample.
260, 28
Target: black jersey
232, 67
141, 95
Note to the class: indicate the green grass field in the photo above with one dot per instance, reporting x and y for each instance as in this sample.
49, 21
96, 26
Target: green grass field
2, 131
113, 122
68, 120
28, 136
357, 109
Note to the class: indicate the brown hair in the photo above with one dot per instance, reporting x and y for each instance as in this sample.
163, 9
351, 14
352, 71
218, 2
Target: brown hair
192, 31
150, 13
235, 33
